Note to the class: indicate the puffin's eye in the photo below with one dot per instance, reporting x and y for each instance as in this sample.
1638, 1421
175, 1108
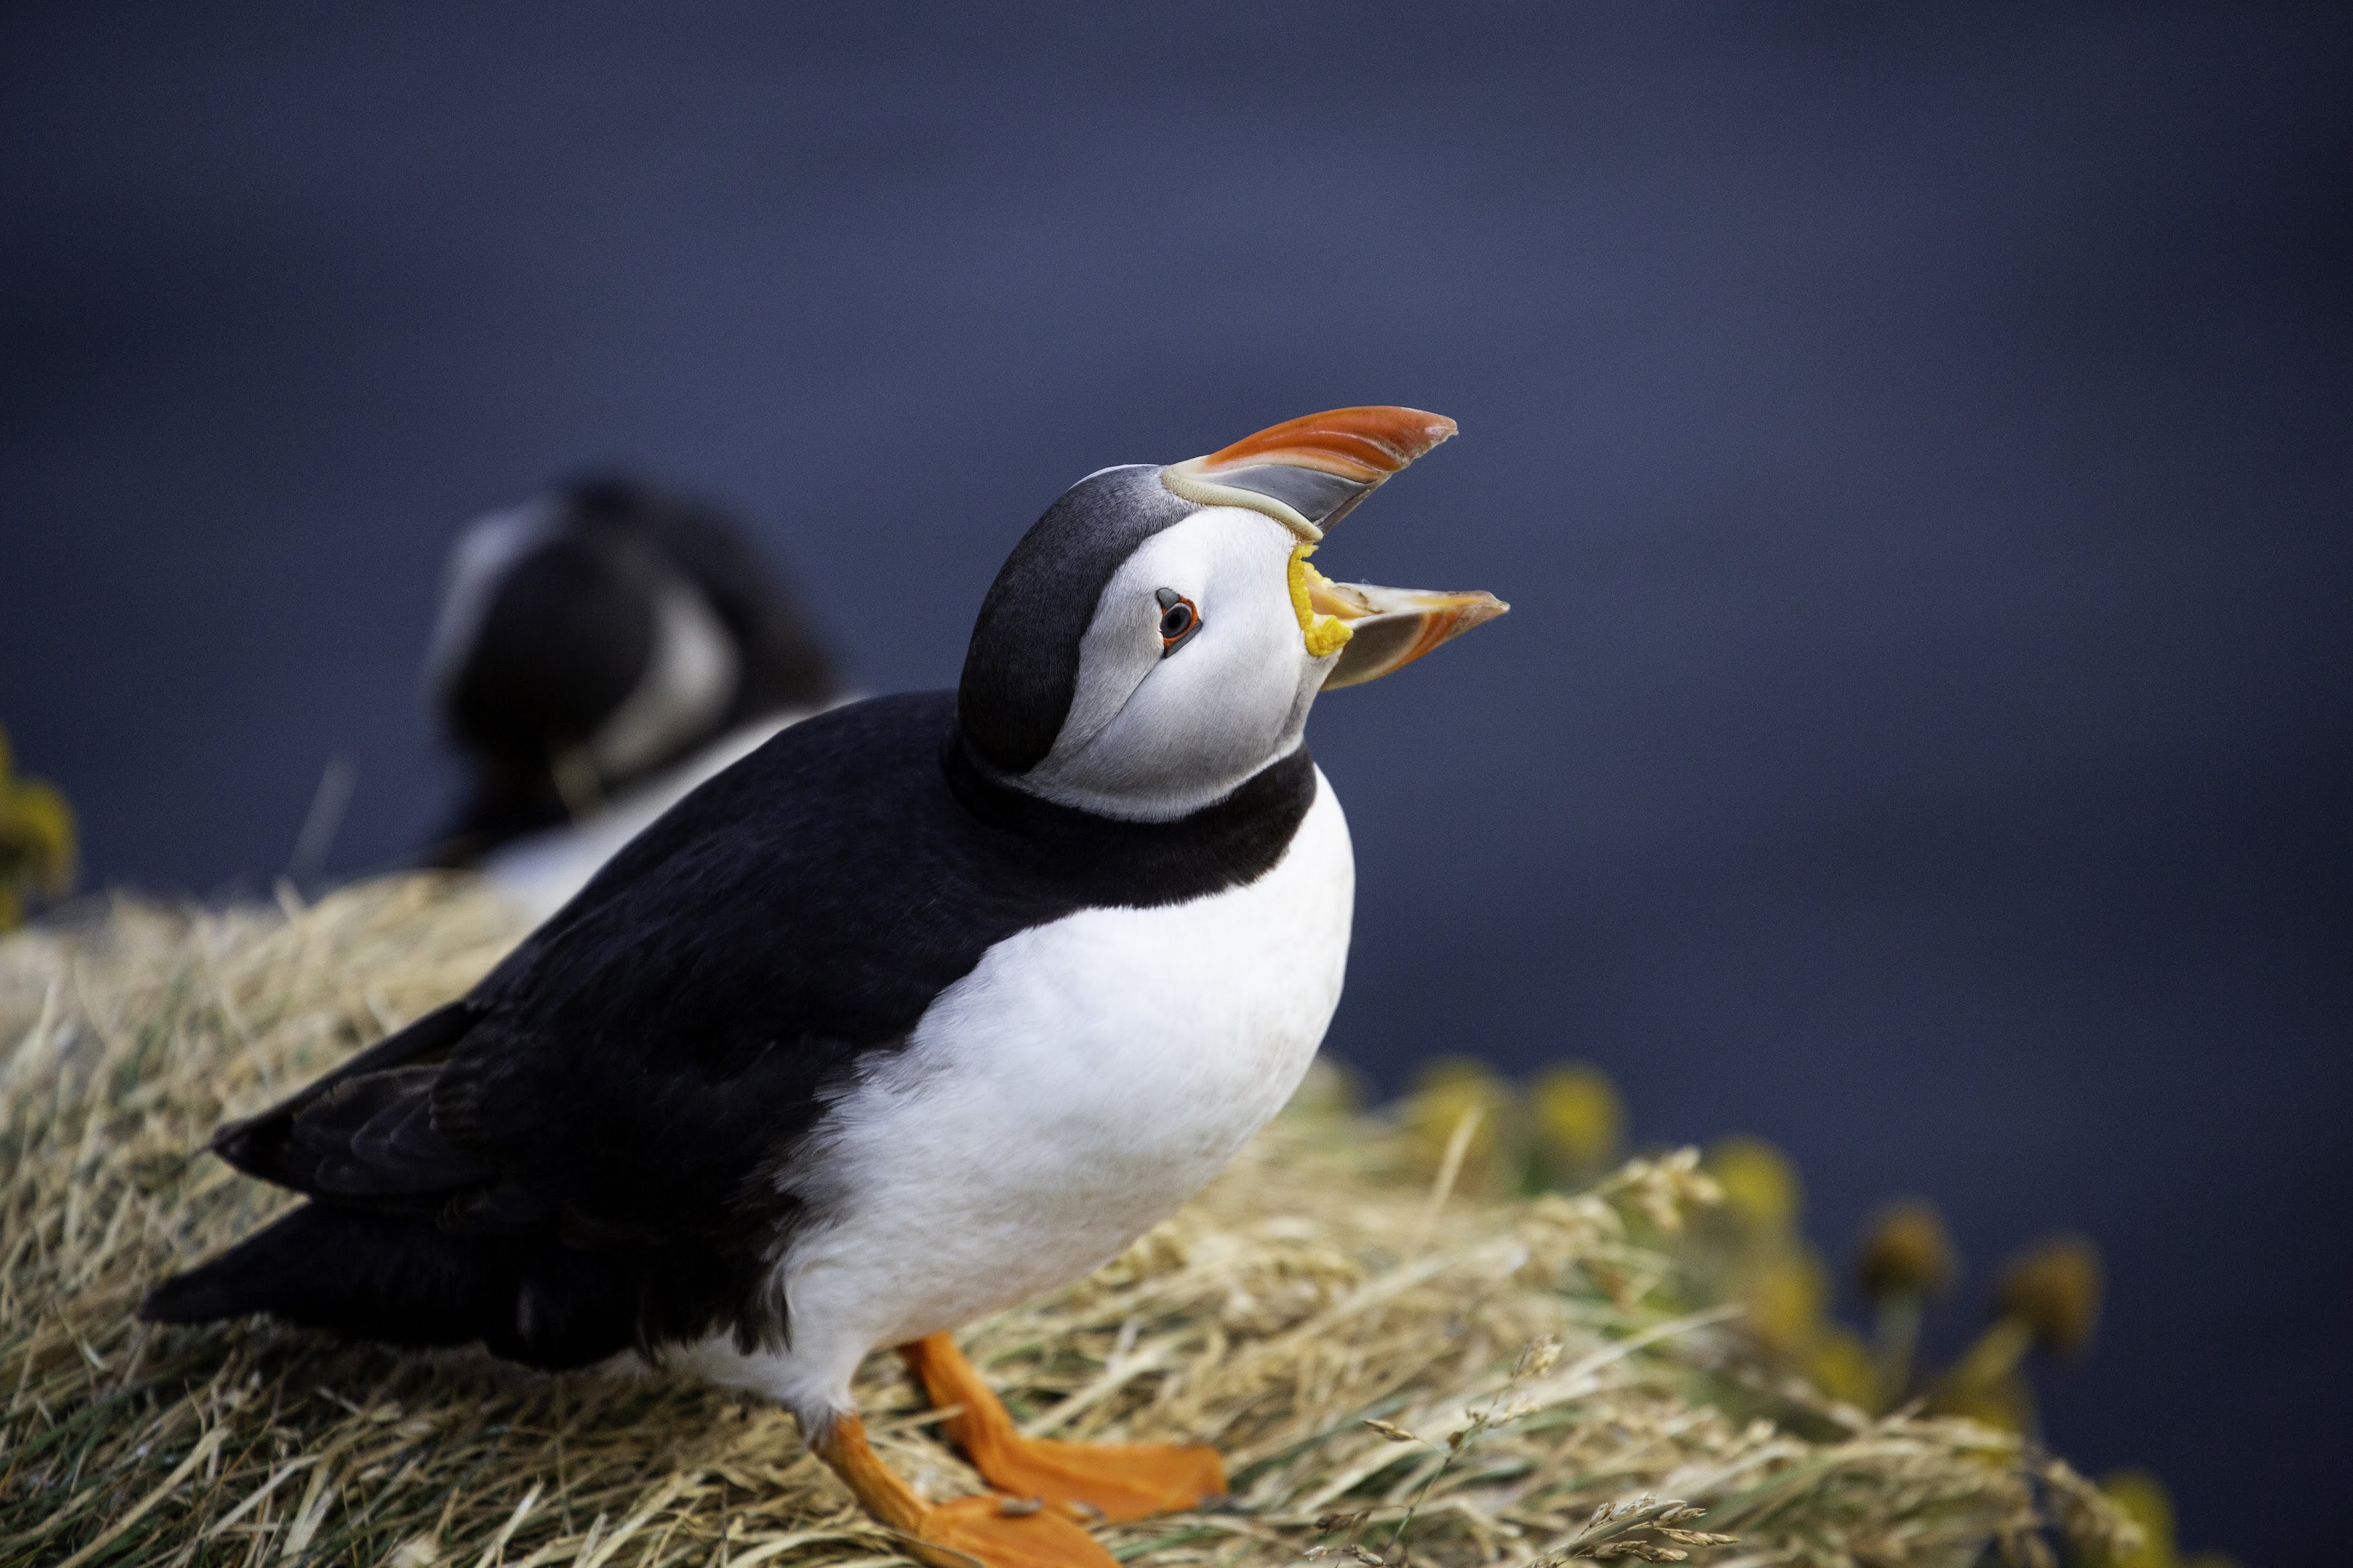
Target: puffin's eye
1179, 619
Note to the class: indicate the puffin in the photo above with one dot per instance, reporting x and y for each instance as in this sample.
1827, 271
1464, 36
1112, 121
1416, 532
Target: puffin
932, 1002
599, 651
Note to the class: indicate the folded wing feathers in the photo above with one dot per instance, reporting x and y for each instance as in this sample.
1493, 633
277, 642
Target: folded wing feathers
366, 1131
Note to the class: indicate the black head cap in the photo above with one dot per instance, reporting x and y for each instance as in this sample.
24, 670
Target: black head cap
1022, 669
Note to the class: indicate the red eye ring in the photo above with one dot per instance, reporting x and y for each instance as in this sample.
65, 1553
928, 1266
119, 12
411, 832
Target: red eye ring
1179, 619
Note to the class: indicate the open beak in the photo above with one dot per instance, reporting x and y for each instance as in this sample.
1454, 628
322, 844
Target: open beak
1389, 628
1309, 473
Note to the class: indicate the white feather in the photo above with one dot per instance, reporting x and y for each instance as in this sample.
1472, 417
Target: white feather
1151, 738
690, 677
1086, 1078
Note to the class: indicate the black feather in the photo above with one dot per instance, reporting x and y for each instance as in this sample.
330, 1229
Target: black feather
529, 1298
273, 1147
604, 1134
1021, 669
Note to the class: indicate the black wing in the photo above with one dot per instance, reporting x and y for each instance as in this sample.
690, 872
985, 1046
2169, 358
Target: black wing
643, 1064
648, 1065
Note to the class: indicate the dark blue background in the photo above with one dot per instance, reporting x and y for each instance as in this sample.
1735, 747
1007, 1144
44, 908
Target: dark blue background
1918, 448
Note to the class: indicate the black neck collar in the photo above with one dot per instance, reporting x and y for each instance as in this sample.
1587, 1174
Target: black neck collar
1225, 844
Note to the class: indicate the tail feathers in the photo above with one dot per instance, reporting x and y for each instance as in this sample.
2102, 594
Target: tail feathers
401, 1281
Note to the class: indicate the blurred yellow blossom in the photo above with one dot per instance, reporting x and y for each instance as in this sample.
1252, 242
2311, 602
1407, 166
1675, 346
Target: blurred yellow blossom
37, 843
1785, 1292
2053, 1288
2143, 1499
1579, 1121
1841, 1365
1760, 1185
1907, 1257
1908, 1248
1446, 1091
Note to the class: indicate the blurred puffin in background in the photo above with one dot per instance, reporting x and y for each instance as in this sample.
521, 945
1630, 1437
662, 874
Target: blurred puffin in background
600, 650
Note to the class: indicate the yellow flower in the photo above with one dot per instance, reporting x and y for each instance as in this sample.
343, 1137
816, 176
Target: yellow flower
2053, 1288
1580, 1120
1907, 1257
1785, 1292
1841, 1367
1906, 1251
1760, 1185
1447, 1091
2003, 1402
2142, 1499
37, 842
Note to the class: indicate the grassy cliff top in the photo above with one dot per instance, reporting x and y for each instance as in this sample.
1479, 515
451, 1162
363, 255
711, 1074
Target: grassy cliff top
1398, 1363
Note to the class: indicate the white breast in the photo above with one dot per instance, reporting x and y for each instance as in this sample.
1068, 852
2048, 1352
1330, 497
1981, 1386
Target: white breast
1088, 1077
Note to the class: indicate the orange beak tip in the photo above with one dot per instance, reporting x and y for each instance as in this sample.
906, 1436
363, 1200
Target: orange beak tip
1367, 444
1403, 626
1307, 473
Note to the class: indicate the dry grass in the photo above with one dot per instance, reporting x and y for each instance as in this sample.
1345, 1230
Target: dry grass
1353, 1342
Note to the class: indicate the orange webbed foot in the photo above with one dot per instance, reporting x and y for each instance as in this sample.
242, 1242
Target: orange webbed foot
1113, 1481
998, 1532
988, 1531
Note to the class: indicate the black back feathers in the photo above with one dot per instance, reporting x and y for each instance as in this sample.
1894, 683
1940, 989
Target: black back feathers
1021, 670
597, 1147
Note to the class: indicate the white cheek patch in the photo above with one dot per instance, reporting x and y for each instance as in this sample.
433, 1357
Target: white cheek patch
1153, 737
690, 678
1122, 645
1219, 707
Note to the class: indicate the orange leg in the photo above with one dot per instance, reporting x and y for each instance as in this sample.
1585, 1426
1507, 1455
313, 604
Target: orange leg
965, 1532
1109, 1480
